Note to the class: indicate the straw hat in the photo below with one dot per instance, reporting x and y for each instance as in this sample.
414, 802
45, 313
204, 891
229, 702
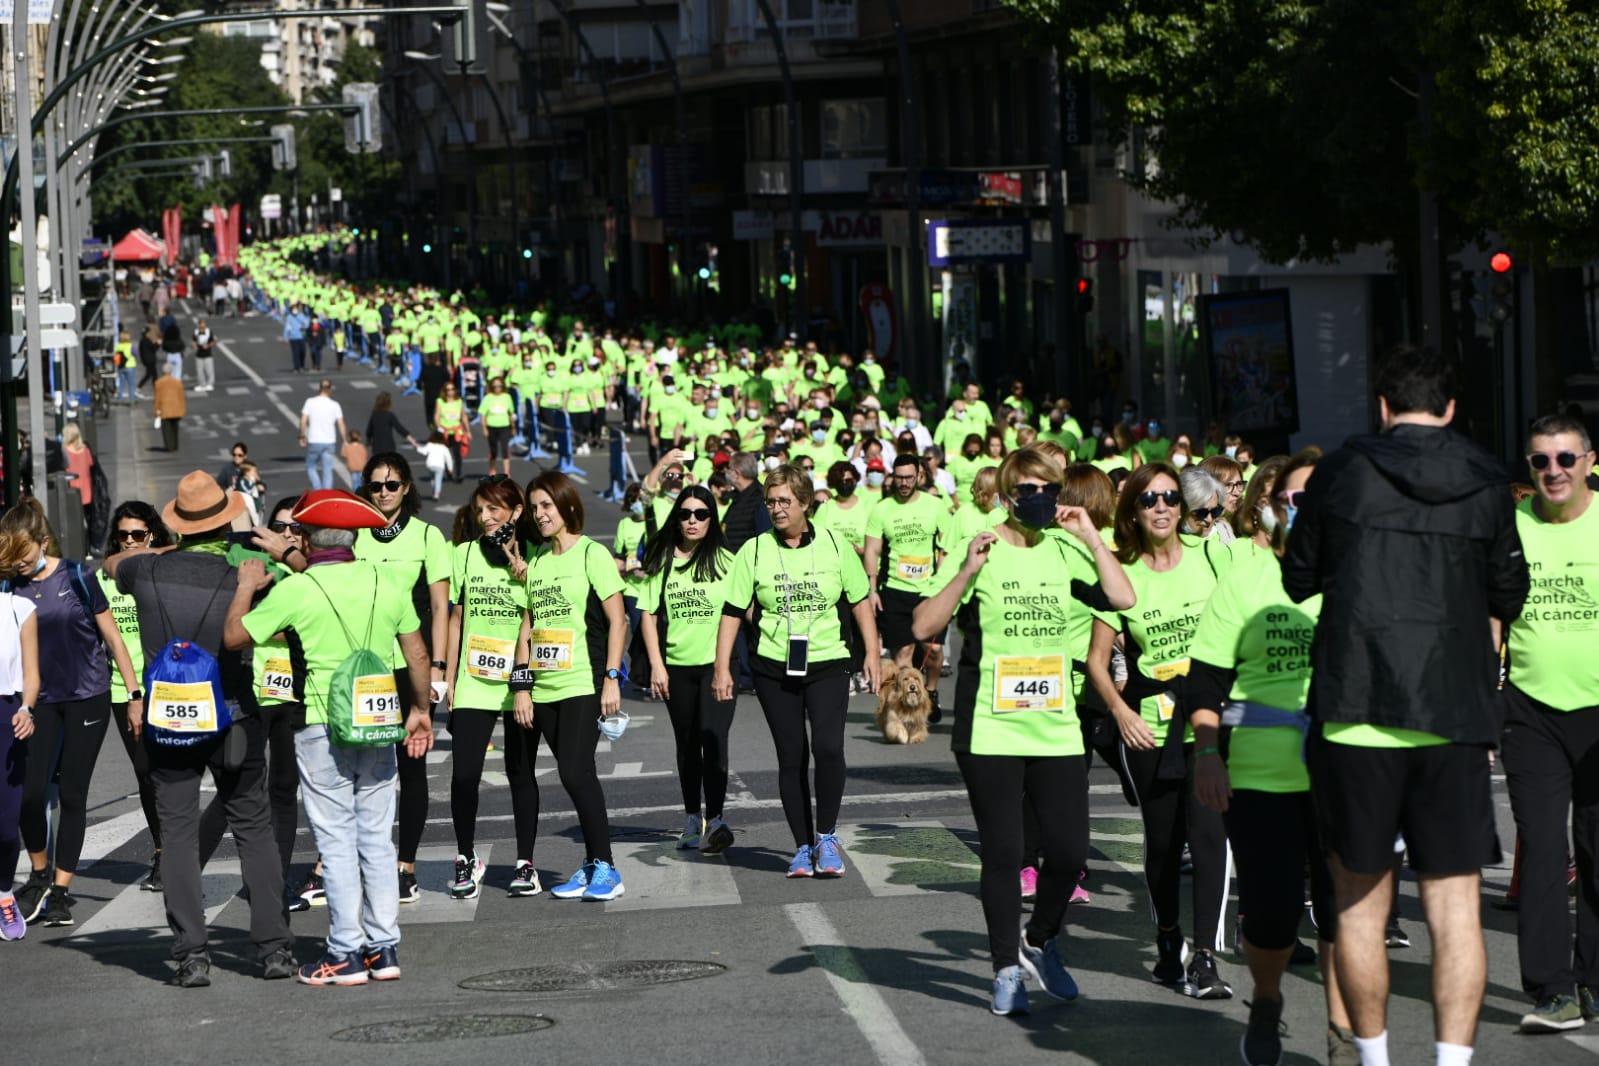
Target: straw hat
201, 505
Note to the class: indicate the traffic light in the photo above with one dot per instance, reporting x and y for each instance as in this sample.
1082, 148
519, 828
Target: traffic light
427, 249
1085, 295
785, 267
363, 127
1501, 298
283, 157
202, 172
467, 43
225, 163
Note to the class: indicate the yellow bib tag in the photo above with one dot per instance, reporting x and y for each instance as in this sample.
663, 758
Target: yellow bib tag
277, 680
913, 567
552, 649
1029, 683
182, 708
1167, 671
376, 702
1165, 706
488, 658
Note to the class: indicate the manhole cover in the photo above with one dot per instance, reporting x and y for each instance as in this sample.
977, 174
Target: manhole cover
454, 1027
599, 977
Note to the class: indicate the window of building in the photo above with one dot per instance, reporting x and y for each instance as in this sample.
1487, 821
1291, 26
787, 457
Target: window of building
854, 129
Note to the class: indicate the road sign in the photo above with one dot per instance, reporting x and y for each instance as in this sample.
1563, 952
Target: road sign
48, 338
272, 205
56, 314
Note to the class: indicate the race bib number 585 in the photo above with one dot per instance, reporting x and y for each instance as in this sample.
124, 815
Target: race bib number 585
182, 708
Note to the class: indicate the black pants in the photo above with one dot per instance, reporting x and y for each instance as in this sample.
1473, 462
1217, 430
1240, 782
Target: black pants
470, 731
700, 723
149, 366
169, 433
283, 789
1552, 761
1274, 837
789, 703
413, 775
1173, 817
1000, 788
67, 735
243, 794
571, 728
140, 758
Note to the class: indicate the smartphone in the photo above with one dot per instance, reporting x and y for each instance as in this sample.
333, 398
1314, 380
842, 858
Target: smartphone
688, 456
799, 648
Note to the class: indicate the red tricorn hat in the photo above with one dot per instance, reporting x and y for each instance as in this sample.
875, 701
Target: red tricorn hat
337, 509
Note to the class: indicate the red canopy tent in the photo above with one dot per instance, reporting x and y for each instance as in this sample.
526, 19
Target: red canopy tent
138, 247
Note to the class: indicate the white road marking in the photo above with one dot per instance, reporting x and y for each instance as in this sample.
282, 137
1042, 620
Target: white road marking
435, 869
853, 987
658, 877
239, 390
138, 912
99, 840
270, 393
880, 866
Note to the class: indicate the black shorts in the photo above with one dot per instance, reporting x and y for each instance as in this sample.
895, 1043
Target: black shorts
500, 441
894, 620
1438, 797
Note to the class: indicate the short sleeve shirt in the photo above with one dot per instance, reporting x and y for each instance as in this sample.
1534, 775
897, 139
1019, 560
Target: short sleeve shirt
911, 534
689, 610
73, 664
568, 625
796, 591
491, 602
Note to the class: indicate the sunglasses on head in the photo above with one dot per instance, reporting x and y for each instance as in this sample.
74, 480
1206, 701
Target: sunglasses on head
1208, 514
284, 527
1292, 499
1171, 498
493, 479
696, 514
138, 536
1541, 460
386, 486
1021, 492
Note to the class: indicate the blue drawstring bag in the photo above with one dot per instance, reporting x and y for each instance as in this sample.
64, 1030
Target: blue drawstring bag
183, 703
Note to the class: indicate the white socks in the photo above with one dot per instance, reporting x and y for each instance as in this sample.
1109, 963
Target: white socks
1453, 1055
1373, 1050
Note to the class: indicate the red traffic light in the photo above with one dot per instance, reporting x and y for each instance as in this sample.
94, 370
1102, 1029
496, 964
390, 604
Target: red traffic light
1084, 286
1501, 263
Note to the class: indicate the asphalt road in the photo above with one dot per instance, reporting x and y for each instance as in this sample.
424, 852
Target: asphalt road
886, 964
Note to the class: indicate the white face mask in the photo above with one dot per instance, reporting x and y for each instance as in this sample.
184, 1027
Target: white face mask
1268, 519
773, 462
1179, 461
820, 403
668, 389
1231, 450
874, 478
711, 412
911, 423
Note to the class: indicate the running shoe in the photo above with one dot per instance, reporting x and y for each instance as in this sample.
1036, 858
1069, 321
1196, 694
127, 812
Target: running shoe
194, 971
152, 881
1341, 1047
1553, 1014
935, 714
1173, 950
604, 883
1029, 882
802, 865
333, 969
576, 885
12, 927
1590, 1003
718, 838
1262, 1044
1047, 968
693, 830
410, 891
468, 881
1303, 954
1010, 993
31, 896
1204, 982
525, 881
1396, 937
311, 893
382, 964
57, 912
1080, 895
1186, 866
279, 965
829, 855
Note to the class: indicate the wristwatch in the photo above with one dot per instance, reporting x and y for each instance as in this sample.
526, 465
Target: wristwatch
136, 694
613, 675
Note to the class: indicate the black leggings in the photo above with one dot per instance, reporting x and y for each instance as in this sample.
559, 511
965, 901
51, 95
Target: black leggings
1000, 788
1273, 835
74, 731
571, 728
470, 731
788, 703
140, 758
413, 773
1172, 816
700, 722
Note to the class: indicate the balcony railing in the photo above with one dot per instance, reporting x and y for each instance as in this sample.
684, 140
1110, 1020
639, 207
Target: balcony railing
796, 20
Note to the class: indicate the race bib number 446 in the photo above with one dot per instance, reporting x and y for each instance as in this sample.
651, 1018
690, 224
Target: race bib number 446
1029, 683
377, 701
182, 708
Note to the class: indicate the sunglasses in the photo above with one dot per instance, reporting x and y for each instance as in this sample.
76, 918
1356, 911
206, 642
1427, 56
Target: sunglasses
1021, 492
493, 479
1171, 498
1208, 514
386, 486
285, 527
698, 514
1292, 499
138, 536
1541, 460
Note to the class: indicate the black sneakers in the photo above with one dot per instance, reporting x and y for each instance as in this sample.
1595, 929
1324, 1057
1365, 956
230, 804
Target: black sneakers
1395, 935
152, 883
279, 965
31, 896
410, 891
1262, 1044
1173, 951
1203, 980
57, 912
194, 971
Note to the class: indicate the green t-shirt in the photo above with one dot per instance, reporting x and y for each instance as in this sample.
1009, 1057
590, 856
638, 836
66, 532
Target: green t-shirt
492, 603
125, 613
797, 590
569, 628
272, 663
1160, 625
629, 533
849, 523
330, 606
690, 610
1552, 644
1154, 451
1251, 626
1080, 630
498, 409
1363, 735
1015, 617
419, 556
911, 533
970, 521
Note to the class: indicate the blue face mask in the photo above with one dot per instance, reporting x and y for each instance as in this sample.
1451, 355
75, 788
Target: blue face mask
636, 509
1289, 513
1035, 512
1154, 429
614, 726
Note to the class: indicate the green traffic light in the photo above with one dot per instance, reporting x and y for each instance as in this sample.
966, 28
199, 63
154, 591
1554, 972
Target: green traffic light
427, 249
705, 273
785, 279
356, 231
527, 253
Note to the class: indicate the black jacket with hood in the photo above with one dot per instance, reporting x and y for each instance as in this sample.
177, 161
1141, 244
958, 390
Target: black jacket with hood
1410, 536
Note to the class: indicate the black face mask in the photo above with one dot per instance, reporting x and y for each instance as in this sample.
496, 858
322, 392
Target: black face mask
493, 545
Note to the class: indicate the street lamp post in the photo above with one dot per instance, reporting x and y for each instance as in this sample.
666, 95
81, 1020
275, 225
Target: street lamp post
796, 173
460, 124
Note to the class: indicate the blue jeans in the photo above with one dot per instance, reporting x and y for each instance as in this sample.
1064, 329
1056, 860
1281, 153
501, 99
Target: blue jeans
319, 455
127, 380
349, 796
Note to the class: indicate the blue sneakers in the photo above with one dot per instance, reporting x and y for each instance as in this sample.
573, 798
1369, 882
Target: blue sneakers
333, 969
1010, 992
801, 866
382, 964
574, 888
604, 883
12, 927
1047, 969
829, 855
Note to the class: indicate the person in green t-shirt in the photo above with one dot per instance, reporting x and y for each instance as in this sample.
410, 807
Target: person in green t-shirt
794, 580
631, 533
845, 511
1551, 733
1173, 577
500, 421
1248, 683
569, 654
907, 534
1017, 738
682, 610
488, 590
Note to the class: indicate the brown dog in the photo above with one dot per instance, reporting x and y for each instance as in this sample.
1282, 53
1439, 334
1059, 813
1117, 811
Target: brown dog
903, 705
